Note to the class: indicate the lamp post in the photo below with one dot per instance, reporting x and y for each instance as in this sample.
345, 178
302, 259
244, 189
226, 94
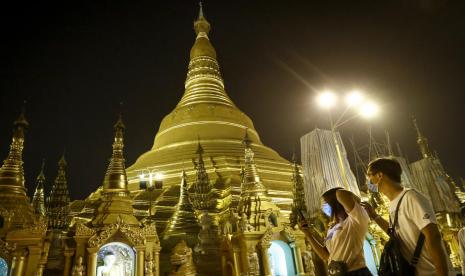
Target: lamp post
367, 109
154, 181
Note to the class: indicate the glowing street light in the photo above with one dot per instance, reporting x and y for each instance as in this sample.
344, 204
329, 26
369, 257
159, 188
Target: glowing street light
148, 185
326, 99
354, 98
369, 110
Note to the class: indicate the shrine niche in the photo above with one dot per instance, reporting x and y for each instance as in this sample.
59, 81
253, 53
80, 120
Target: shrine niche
116, 259
3, 267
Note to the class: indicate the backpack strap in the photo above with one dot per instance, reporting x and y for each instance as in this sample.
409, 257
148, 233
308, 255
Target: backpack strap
392, 226
417, 252
421, 238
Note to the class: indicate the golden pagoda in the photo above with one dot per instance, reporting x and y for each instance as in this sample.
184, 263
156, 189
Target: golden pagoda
206, 113
23, 241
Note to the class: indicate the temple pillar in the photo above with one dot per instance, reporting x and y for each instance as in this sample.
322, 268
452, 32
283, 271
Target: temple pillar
81, 244
265, 260
237, 261
17, 265
140, 261
92, 261
68, 260
33, 259
298, 259
156, 260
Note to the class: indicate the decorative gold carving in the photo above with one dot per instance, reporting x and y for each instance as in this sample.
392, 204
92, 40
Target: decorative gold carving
79, 268
84, 231
253, 263
289, 233
266, 238
181, 260
149, 265
6, 250
134, 235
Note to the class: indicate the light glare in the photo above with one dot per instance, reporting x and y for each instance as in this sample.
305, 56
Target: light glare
354, 98
326, 99
158, 176
369, 110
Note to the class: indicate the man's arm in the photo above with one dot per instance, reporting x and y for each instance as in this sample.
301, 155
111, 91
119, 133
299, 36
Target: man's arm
433, 243
382, 223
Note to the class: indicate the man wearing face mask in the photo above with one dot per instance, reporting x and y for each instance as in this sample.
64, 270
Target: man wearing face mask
415, 216
343, 245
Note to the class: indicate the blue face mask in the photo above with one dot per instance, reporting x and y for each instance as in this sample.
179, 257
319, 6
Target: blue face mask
372, 187
327, 210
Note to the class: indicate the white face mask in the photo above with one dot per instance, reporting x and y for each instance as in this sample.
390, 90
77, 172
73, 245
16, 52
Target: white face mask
374, 188
327, 210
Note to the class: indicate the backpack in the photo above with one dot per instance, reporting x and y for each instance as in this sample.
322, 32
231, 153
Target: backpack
392, 262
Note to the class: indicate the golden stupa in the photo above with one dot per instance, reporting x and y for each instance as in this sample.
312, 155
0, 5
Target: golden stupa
207, 115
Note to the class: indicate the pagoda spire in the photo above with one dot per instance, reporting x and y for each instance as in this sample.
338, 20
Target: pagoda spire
12, 172
38, 201
58, 202
251, 179
422, 141
116, 203
13, 196
298, 203
204, 83
115, 178
184, 219
201, 188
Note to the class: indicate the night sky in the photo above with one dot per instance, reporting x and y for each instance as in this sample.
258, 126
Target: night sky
75, 64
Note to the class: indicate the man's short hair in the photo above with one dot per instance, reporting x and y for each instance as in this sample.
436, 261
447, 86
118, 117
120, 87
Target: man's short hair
388, 166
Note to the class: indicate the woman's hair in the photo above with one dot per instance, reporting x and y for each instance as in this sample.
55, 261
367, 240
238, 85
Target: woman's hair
337, 210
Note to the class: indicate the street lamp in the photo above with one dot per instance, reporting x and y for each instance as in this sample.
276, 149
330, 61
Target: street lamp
148, 184
355, 99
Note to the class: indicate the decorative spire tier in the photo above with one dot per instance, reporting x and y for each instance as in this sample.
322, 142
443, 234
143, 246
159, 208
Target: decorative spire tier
184, 220
38, 201
204, 83
298, 203
14, 202
254, 200
115, 179
58, 201
116, 202
201, 189
422, 141
12, 172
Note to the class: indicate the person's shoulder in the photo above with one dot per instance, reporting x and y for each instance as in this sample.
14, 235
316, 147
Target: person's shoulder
415, 195
461, 231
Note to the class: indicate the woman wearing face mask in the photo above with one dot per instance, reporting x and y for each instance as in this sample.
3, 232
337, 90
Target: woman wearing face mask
343, 245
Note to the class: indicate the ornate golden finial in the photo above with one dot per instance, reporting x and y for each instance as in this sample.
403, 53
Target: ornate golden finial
12, 172
253, 192
421, 141
38, 201
298, 204
203, 83
115, 178
201, 188
201, 24
58, 202
200, 11
183, 219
